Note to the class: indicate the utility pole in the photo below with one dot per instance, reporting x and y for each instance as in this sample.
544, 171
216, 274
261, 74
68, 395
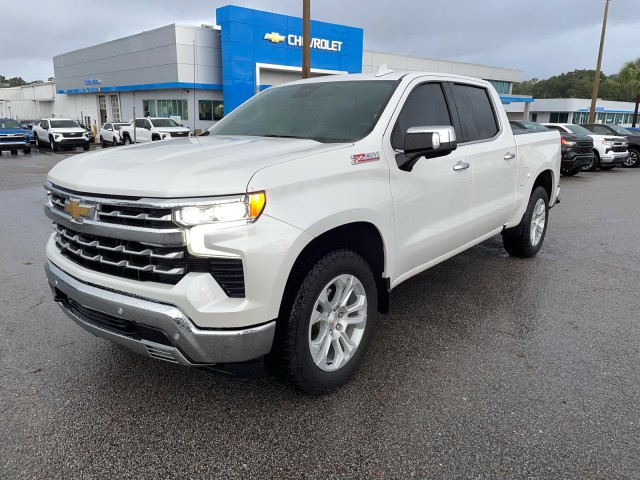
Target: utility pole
306, 38
596, 81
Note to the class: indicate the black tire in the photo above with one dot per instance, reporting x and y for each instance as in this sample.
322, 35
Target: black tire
593, 165
85, 146
115, 142
127, 140
294, 331
26, 151
52, 144
517, 241
103, 144
155, 138
634, 158
607, 167
37, 140
569, 172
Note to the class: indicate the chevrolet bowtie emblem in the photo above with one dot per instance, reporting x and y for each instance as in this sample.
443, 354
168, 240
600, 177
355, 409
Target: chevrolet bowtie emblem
274, 37
77, 211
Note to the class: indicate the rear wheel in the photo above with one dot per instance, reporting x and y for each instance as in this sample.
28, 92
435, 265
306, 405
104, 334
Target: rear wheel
633, 159
526, 239
327, 329
127, 140
593, 164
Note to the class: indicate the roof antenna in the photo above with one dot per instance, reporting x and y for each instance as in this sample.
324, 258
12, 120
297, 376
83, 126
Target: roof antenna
383, 70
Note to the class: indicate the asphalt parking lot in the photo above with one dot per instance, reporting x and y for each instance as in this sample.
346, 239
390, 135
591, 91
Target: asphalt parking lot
487, 367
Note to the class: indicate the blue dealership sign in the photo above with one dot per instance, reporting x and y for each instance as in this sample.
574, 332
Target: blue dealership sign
252, 37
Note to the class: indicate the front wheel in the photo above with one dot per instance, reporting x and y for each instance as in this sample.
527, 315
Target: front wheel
569, 172
37, 141
633, 158
26, 151
328, 327
85, 146
53, 145
593, 164
526, 239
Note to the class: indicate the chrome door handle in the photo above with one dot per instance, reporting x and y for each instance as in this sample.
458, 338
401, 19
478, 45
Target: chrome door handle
509, 156
461, 166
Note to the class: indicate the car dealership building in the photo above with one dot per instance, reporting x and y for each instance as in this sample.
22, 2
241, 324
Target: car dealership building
200, 73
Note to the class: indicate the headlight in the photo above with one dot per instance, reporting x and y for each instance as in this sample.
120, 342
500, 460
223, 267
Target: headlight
244, 209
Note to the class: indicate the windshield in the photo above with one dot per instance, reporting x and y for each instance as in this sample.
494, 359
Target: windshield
164, 122
8, 123
327, 112
619, 130
577, 129
63, 124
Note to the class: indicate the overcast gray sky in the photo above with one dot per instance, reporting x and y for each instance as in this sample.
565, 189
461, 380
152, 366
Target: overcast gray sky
540, 37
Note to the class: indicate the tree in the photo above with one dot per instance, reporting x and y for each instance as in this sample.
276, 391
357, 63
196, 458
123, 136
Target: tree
630, 76
13, 82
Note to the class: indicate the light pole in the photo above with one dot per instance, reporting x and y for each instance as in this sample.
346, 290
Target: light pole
596, 81
306, 38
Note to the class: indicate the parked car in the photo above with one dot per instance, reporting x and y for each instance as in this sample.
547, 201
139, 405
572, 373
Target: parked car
110, 134
27, 125
150, 129
286, 233
13, 137
577, 150
609, 151
92, 137
633, 130
60, 133
632, 138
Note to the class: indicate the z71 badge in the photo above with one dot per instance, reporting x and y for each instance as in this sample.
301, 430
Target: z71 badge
364, 158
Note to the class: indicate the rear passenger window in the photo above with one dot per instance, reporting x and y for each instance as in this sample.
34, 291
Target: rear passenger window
425, 107
476, 113
139, 122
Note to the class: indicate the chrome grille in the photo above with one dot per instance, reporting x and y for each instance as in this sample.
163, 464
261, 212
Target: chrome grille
71, 134
133, 238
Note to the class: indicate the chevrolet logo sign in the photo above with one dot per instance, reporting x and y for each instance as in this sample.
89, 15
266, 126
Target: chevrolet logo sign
274, 37
78, 212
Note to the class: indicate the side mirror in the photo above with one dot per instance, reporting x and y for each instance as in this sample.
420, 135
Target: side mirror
428, 142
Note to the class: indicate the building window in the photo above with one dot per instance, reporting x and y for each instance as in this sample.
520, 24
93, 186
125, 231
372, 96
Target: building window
559, 117
534, 117
501, 87
166, 108
210, 109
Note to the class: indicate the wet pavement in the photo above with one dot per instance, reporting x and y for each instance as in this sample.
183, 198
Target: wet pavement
487, 367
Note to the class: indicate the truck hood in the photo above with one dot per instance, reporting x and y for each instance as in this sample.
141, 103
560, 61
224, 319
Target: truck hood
189, 167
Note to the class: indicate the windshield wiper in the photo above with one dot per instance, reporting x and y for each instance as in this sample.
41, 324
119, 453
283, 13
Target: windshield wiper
271, 135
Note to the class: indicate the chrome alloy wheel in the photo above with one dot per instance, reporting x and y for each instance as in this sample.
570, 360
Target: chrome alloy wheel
337, 324
538, 220
631, 160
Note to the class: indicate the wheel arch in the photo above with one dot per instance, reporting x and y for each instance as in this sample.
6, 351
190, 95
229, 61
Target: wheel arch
363, 238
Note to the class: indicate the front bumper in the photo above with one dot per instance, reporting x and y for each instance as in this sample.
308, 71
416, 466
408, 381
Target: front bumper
72, 142
159, 330
614, 158
576, 161
14, 145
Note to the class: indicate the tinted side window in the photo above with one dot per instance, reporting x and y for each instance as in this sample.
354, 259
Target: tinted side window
425, 107
140, 122
107, 126
147, 124
555, 127
600, 130
476, 113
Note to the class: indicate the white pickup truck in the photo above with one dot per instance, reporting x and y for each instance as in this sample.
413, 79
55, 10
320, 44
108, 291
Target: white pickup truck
284, 229
150, 129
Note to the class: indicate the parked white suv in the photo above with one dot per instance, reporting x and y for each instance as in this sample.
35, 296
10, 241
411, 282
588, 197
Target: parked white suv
60, 133
284, 230
110, 134
151, 129
609, 151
